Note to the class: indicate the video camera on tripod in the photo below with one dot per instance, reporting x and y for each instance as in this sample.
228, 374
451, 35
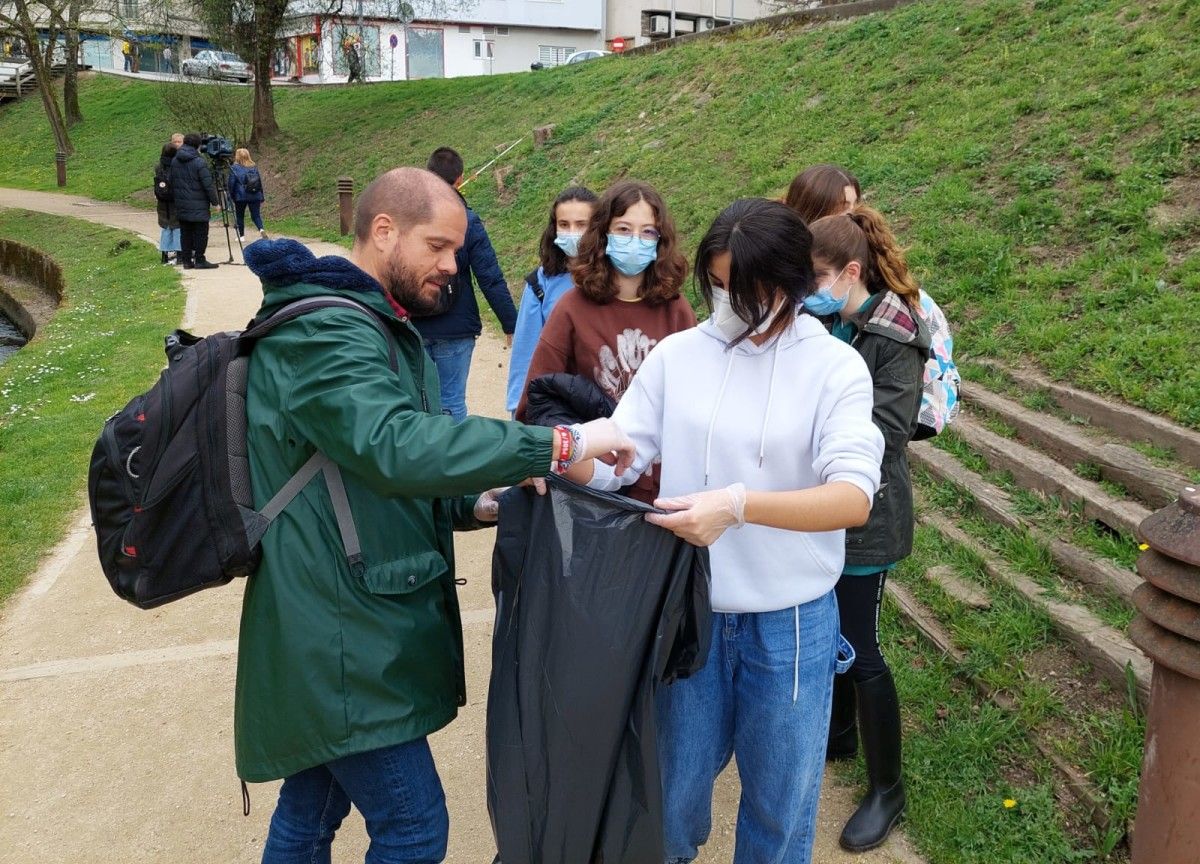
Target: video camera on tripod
219, 151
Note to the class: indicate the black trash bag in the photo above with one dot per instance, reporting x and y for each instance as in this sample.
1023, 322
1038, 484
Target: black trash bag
560, 399
595, 609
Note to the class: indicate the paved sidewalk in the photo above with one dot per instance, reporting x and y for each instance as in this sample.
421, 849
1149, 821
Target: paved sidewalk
116, 724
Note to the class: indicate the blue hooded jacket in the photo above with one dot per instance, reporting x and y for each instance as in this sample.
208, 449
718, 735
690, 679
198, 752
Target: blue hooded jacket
476, 258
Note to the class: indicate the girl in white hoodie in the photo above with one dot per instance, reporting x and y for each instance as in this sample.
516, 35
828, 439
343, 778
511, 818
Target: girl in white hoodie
762, 421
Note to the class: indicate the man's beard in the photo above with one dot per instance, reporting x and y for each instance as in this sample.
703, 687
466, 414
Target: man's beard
409, 289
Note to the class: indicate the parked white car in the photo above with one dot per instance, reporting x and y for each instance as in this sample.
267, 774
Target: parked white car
217, 64
580, 56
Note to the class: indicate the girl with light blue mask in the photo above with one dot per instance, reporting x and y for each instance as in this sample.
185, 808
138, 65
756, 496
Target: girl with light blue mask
627, 298
569, 217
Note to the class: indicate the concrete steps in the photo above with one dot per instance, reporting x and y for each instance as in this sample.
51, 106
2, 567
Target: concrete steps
994, 503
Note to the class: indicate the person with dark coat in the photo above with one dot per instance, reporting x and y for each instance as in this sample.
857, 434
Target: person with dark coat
168, 240
345, 667
451, 333
873, 303
194, 191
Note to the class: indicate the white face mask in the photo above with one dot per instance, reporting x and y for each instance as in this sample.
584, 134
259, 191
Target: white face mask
727, 321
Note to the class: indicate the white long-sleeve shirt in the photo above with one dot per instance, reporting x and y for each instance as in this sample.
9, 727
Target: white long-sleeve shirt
794, 413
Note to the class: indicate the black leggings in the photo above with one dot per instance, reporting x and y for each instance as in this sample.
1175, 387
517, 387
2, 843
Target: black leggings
859, 599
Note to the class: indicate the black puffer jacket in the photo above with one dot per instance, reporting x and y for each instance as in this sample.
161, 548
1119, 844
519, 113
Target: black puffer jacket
561, 399
166, 209
192, 184
894, 342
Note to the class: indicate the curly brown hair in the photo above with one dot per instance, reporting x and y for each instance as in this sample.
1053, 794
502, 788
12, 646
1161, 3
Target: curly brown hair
862, 234
594, 274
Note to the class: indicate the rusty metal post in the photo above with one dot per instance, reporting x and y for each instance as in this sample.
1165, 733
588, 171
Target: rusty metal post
60, 165
345, 190
1167, 628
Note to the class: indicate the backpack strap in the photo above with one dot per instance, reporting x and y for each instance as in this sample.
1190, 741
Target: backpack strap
536, 286
291, 311
318, 462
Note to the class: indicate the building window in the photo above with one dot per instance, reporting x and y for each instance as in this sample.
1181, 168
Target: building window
425, 53
553, 55
129, 9
502, 31
485, 48
464, 28
489, 31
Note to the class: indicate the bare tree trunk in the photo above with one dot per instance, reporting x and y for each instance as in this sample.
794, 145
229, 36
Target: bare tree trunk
41, 71
264, 126
71, 79
268, 17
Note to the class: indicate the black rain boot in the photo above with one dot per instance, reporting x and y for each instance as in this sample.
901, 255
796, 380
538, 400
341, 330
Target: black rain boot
166, 256
187, 261
879, 726
843, 730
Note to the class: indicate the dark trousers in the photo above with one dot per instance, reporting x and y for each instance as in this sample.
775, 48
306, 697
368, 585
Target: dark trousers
859, 599
193, 239
255, 215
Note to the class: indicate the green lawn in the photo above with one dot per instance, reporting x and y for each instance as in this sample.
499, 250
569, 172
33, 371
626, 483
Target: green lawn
1041, 158
103, 345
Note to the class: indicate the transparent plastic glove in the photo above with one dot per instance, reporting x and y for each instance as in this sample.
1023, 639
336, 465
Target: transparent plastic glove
487, 505
701, 518
603, 439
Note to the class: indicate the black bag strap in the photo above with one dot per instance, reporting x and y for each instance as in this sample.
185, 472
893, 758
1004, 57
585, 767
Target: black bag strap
319, 462
536, 286
291, 311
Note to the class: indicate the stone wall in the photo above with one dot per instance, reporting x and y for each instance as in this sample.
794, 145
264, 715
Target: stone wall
32, 286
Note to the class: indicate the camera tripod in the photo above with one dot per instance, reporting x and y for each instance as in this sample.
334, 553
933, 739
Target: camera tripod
221, 169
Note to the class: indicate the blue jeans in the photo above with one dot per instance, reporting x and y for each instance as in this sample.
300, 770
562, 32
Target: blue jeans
255, 215
763, 696
453, 360
396, 789
168, 240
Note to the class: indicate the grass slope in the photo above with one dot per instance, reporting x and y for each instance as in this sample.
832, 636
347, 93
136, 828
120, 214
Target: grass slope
1040, 156
103, 345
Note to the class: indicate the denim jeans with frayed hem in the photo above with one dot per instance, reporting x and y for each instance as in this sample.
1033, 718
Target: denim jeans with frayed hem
453, 360
397, 791
763, 696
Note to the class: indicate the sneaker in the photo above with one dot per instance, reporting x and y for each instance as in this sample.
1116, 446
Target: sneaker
242, 239
263, 234
203, 264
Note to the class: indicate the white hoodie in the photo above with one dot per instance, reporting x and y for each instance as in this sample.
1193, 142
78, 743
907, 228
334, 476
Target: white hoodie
791, 414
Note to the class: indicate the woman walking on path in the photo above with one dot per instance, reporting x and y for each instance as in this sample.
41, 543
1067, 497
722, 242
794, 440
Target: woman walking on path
865, 285
246, 190
168, 238
628, 275
762, 422
544, 287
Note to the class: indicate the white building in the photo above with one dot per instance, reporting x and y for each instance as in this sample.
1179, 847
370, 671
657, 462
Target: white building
639, 22
487, 37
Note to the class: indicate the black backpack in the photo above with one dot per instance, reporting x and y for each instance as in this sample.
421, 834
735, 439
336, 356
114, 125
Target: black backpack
162, 186
169, 483
252, 183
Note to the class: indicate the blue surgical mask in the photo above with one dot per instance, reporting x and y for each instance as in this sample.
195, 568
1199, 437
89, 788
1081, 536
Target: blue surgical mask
631, 255
822, 302
568, 243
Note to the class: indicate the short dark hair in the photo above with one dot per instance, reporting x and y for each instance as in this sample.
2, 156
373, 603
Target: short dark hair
405, 194
770, 251
169, 150
553, 259
192, 139
446, 163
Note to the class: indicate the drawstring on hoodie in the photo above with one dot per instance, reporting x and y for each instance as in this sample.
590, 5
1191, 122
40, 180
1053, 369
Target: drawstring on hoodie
712, 423
713, 420
762, 442
796, 662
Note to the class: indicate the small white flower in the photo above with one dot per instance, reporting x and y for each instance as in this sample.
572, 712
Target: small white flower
86, 397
